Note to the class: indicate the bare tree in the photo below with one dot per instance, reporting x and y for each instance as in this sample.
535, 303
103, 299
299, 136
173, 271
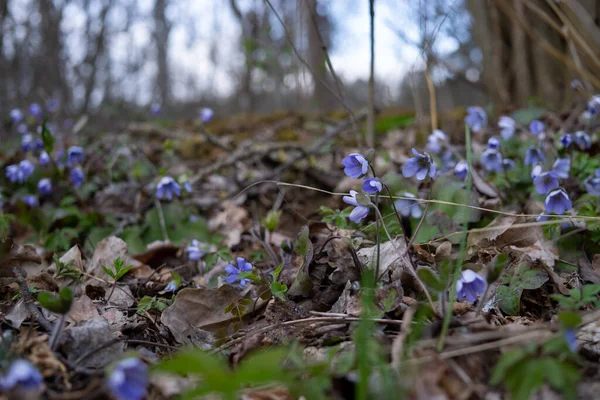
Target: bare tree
162, 30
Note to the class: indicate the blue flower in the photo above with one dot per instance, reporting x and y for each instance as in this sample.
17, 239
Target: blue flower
129, 380
19, 172
167, 187
542, 218
359, 211
561, 167
356, 165
21, 375
372, 185
566, 140
508, 127
234, 273
545, 182
461, 169
76, 177
171, 287
44, 158
582, 140
534, 156
28, 142
476, 118
508, 164
469, 285
493, 143
187, 186
45, 186
536, 171
74, 156
592, 184
435, 141
22, 129
35, 110
206, 114
408, 207
593, 105
536, 127
447, 160
557, 202
16, 115
420, 165
52, 105
155, 108
571, 339
193, 251
31, 200
492, 160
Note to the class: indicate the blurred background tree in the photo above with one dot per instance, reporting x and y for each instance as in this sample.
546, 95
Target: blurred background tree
107, 56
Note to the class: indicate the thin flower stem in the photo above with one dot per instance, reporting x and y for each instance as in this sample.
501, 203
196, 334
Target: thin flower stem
409, 263
161, 220
482, 301
56, 331
414, 235
379, 222
397, 215
463, 245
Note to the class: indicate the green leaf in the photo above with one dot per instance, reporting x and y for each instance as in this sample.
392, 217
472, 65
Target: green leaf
431, 279
197, 362
60, 304
47, 139
109, 272
263, 367
271, 221
569, 319
277, 272
507, 361
303, 244
508, 300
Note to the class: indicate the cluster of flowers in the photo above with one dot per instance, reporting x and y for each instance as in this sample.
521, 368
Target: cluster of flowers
127, 381
19, 173
547, 183
356, 165
195, 253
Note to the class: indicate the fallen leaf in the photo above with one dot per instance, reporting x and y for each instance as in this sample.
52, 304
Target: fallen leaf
107, 251
91, 334
230, 222
83, 308
18, 314
390, 256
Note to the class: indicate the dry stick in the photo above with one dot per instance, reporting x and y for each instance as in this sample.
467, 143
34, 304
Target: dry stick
310, 68
343, 319
398, 343
432, 99
29, 302
371, 116
336, 80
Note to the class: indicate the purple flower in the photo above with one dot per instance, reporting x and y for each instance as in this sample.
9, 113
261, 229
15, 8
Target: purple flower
536, 127
534, 156
155, 108
408, 207
206, 114
52, 105
45, 186
167, 187
592, 184
582, 140
536, 171
372, 185
508, 127
234, 273
492, 160
187, 186
21, 376
561, 167
35, 110
359, 211
571, 339
129, 379
476, 118
493, 143
171, 287
542, 218
557, 202
16, 115
508, 164
447, 160
28, 142
566, 140
22, 129
193, 251
355, 165
76, 177
44, 158
469, 285
31, 200
435, 141
594, 105
420, 165
545, 182
19, 172
461, 169
74, 156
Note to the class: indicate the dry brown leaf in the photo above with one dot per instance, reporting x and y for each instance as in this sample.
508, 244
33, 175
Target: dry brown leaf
390, 256
201, 308
541, 250
589, 272
83, 308
107, 251
229, 221
18, 314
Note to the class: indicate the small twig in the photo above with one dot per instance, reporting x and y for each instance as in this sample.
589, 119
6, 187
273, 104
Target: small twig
30, 302
161, 220
337, 320
57, 331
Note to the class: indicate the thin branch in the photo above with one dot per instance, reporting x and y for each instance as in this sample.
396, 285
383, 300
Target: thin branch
371, 115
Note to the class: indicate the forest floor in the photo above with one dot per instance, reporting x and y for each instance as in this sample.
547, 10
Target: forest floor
301, 316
